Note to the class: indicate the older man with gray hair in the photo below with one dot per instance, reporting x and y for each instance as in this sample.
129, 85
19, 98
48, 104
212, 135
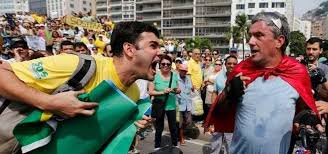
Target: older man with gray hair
262, 92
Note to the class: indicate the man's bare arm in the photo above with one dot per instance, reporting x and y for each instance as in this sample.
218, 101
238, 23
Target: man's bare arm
64, 104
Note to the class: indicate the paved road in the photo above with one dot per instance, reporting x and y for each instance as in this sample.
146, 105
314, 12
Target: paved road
193, 146
196, 146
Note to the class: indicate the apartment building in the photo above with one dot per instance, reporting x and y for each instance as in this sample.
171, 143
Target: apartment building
117, 10
13, 6
317, 29
252, 7
179, 19
58, 8
38, 6
302, 26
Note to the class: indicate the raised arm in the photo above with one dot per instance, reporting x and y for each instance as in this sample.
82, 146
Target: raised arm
64, 104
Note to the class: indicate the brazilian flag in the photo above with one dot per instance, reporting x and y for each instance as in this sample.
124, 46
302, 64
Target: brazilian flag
110, 130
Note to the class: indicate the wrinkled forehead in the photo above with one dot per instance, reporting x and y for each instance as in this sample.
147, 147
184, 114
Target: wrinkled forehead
260, 26
196, 51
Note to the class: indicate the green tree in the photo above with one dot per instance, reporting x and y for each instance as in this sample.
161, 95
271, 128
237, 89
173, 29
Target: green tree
238, 33
242, 24
235, 35
197, 42
297, 43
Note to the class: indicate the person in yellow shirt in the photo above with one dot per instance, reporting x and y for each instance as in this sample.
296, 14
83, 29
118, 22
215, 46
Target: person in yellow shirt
135, 48
100, 44
195, 70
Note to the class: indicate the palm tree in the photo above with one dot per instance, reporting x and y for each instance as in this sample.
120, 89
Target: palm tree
235, 35
242, 25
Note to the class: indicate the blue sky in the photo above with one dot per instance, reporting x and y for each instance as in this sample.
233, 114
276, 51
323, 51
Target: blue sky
301, 6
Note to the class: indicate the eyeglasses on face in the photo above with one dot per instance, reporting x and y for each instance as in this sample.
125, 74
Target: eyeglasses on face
208, 59
218, 64
165, 64
215, 53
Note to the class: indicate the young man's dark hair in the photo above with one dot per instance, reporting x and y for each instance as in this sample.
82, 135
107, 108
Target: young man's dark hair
230, 56
19, 44
128, 32
313, 40
65, 43
81, 45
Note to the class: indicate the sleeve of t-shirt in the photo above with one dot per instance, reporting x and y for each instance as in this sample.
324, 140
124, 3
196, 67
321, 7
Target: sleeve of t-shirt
48, 73
189, 67
219, 83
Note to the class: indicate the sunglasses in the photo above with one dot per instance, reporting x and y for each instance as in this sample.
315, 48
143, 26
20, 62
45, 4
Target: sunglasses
215, 54
165, 64
208, 59
218, 64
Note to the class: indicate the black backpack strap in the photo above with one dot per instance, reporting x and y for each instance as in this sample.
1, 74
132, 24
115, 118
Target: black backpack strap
170, 83
3, 104
81, 76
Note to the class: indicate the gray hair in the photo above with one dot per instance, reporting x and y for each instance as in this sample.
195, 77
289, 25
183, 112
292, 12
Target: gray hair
277, 22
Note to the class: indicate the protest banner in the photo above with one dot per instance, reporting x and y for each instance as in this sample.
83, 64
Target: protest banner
78, 22
36, 43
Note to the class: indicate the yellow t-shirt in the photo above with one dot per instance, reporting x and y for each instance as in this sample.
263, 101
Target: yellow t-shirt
47, 74
195, 71
85, 40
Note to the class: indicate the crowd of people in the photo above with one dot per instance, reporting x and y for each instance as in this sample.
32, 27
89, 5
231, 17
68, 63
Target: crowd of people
248, 102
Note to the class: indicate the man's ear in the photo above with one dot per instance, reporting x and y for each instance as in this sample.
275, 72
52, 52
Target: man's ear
128, 49
280, 41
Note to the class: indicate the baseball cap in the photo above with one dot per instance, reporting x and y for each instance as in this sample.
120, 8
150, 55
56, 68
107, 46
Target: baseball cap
233, 50
178, 59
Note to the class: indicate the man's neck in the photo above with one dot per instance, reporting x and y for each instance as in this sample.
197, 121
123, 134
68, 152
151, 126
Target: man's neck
126, 76
166, 74
315, 62
274, 63
194, 59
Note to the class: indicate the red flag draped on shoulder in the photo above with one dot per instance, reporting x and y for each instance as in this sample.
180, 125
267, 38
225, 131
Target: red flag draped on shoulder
290, 70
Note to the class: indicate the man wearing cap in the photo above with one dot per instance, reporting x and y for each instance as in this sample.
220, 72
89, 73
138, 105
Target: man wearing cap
184, 100
234, 52
178, 62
